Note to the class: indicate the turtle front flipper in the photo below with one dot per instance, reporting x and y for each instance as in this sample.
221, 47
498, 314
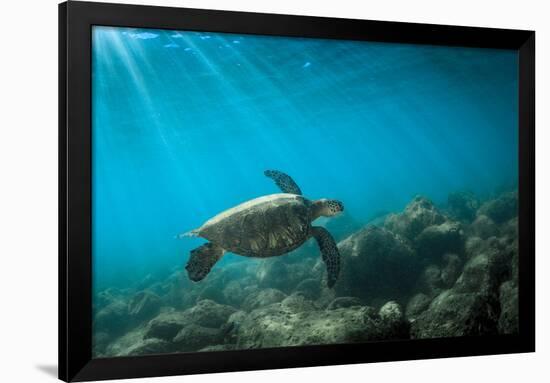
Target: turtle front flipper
284, 182
202, 259
329, 252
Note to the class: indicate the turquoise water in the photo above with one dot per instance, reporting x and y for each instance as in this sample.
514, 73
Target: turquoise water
185, 123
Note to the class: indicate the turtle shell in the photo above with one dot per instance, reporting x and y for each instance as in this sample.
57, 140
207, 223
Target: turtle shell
262, 227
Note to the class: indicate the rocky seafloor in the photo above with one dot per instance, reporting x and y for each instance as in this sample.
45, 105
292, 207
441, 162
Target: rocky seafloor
426, 272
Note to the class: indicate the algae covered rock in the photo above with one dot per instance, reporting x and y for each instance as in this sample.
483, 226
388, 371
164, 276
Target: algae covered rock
453, 314
297, 302
376, 263
418, 215
417, 305
166, 325
436, 240
276, 326
208, 313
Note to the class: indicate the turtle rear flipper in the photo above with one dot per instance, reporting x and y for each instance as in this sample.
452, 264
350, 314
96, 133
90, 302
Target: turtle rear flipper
329, 252
202, 259
284, 182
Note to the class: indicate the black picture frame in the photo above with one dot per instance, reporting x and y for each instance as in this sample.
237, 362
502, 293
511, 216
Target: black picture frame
75, 306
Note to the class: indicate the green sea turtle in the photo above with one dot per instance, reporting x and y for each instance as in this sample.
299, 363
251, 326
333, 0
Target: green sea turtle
267, 226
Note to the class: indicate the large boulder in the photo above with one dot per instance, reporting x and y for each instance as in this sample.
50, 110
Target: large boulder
208, 313
436, 240
205, 313
484, 273
418, 215
376, 264
453, 314
279, 326
472, 306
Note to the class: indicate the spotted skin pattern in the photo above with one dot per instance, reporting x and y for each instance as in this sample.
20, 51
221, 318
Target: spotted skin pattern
202, 259
284, 182
329, 252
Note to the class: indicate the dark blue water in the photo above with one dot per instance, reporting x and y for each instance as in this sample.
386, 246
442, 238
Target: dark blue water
185, 123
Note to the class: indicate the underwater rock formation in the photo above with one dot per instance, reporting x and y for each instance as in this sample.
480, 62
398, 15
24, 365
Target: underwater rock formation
453, 314
376, 264
421, 273
436, 240
278, 325
418, 215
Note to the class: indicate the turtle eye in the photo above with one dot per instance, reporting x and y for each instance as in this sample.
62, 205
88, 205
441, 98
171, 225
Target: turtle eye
336, 206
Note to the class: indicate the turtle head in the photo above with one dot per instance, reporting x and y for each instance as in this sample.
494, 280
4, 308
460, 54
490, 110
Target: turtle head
327, 207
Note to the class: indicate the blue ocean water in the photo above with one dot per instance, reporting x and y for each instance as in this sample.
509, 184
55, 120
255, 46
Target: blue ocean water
185, 123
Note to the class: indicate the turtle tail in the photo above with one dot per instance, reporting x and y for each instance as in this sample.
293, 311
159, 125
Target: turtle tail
192, 233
